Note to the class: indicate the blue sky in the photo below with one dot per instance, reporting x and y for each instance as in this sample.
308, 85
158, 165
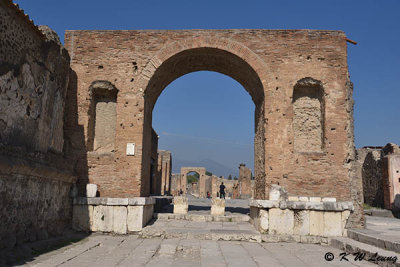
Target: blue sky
203, 124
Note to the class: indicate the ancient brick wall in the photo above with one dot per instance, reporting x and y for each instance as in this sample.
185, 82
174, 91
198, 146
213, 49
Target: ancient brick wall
35, 178
272, 65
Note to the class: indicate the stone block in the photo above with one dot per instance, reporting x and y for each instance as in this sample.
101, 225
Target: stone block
180, 205
135, 218
316, 223
278, 193
333, 223
96, 201
304, 199
346, 205
315, 199
301, 222
264, 221
281, 221
218, 207
141, 201
82, 217
293, 198
148, 211
91, 190
120, 219
117, 201
345, 217
328, 199
103, 218
266, 204
254, 212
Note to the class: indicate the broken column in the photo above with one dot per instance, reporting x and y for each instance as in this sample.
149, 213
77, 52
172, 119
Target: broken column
244, 182
218, 207
181, 205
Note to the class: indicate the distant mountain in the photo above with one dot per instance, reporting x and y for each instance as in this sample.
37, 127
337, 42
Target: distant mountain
212, 166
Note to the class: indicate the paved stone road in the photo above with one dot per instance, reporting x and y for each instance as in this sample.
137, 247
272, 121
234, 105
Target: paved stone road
107, 250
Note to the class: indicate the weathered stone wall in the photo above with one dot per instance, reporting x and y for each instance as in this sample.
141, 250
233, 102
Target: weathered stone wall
371, 172
244, 182
35, 178
268, 63
154, 170
378, 168
391, 176
176, 183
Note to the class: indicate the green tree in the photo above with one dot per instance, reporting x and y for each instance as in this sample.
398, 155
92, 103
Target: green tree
235, 178
208, 173
230, 177
193, 177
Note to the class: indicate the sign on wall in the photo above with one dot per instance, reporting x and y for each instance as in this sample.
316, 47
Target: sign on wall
130, 149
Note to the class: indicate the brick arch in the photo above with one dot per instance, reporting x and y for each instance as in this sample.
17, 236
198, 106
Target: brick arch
202, 174
221, 55
231, 47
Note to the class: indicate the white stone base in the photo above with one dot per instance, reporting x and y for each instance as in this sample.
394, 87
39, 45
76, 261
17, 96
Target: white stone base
181, 205
218, 207
112, 215
325, 219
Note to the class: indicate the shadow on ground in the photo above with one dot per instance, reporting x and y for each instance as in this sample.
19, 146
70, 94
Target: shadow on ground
27, 252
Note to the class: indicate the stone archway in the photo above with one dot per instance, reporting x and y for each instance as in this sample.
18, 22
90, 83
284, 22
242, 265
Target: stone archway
271, 65
202, 174
213, 54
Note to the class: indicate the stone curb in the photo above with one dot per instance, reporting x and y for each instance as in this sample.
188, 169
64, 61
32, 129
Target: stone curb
201, 218
374, 240
353, 246
303, 205
108, 201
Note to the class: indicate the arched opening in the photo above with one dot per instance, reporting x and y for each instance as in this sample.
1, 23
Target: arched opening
192, 180
208, 59
308, 121
102, 117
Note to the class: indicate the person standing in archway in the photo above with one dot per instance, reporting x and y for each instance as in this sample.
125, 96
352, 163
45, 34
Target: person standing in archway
222, 190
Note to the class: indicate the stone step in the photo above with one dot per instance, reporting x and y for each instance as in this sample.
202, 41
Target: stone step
203, 234
375, 239
384, 257
379, 213
202, 217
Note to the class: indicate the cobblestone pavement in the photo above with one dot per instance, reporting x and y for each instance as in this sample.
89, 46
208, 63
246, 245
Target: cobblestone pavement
106, 250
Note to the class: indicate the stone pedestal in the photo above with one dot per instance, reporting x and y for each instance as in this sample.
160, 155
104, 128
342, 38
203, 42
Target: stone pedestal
112, 215
181, 205
218, 207
301, 218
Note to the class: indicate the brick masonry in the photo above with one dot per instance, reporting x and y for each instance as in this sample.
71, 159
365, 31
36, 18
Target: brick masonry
268, 63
